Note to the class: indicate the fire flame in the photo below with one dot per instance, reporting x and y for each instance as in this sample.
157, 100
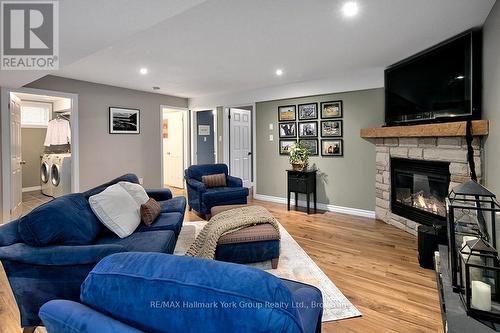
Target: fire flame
421, 201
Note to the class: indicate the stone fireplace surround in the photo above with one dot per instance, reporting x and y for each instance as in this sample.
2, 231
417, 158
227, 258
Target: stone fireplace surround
429, 146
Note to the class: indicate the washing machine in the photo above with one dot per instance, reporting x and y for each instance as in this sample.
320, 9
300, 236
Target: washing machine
60, 174
45, 167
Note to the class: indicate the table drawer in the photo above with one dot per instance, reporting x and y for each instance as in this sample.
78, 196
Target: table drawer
297, 185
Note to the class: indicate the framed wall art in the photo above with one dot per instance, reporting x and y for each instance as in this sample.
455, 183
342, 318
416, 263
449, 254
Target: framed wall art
287, 113
311, 145
331, 128
308, 129
331, 109
124, 121
332, 147
285, 146
288, 130
308, 111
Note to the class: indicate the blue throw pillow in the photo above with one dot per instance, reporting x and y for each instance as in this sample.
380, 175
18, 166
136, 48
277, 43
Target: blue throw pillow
166, 293
67, 220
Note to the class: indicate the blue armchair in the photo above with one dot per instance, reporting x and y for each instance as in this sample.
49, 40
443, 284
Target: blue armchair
48, 253
150, 292
202, 199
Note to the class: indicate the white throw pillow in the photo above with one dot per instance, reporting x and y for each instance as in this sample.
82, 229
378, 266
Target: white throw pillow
117, 210
136, 191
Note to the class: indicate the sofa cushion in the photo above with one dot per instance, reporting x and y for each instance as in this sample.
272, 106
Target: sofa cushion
166, 221
67, 220
162, 241
177, 204
136, 191
117, 210
221, 195
149, 282
217, 180
150, 211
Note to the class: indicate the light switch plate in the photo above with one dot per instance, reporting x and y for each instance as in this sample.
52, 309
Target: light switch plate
271, 137
271, 126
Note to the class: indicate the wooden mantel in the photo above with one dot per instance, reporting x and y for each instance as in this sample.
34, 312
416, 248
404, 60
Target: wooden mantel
479, 128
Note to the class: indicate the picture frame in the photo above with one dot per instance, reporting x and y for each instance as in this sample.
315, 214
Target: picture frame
332, 147
287, 130
333, 109
311, 145
308, 129
287, 113
308, 111
285, 145
124, 120
331, 128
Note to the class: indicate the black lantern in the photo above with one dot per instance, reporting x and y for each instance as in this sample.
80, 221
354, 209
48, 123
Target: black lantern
479, 278
472, 210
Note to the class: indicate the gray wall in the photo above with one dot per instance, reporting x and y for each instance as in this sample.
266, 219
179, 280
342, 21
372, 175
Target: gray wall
347, 181
491, 96
103, 155
205, 150
31, 148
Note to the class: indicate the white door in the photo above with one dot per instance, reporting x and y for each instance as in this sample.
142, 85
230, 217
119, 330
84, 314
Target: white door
173, 148
16, 180
240, 145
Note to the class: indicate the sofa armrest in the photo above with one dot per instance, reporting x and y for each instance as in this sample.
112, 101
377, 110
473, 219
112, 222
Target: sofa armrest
68, 316
162, 194
58, 255
196, 185
9, 234
234, 181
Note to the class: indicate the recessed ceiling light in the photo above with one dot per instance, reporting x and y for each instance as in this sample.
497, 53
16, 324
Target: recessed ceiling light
460, 77
279, 72
143, 71
350, 9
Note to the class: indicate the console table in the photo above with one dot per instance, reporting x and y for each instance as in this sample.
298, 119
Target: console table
301, 182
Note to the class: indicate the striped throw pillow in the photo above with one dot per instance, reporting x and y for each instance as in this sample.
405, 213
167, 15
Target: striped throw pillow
217, 180
150, 211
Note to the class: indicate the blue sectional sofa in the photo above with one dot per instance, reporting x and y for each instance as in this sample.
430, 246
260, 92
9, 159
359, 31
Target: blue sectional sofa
148, 292
202, 199
49, 252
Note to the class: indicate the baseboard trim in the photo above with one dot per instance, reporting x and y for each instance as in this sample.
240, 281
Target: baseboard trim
331, 208
32, 188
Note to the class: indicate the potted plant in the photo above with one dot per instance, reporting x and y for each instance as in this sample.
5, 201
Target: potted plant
299, 156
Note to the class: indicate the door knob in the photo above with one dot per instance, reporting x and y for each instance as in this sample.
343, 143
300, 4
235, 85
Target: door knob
249, 153
22, 162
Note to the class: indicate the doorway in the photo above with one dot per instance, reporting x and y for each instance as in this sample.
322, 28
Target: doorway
174, 143
39, 154
240, 144
204, 137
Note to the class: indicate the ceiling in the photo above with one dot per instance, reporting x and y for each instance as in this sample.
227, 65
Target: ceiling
197, 48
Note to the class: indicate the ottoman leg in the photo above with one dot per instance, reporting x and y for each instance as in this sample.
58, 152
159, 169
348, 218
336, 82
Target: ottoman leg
274, 262
190, 208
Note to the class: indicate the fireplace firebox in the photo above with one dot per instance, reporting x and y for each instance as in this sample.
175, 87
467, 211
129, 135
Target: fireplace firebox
419, 190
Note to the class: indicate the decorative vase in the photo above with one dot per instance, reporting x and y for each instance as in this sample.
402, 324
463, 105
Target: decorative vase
299, 166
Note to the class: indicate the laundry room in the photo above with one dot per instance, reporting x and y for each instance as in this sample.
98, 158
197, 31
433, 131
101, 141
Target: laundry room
45, 148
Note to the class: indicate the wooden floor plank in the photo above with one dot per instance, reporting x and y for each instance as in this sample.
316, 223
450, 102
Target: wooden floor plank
374, 264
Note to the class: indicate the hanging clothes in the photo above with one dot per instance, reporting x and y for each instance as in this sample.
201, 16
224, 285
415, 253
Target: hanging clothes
58, 132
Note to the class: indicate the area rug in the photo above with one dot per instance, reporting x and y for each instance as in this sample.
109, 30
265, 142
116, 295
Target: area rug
294, 264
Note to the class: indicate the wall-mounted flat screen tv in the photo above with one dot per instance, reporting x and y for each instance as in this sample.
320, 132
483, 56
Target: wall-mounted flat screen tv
440, 84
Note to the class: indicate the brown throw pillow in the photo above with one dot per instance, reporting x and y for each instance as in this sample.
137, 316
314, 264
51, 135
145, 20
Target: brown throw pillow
217, 180
150, 211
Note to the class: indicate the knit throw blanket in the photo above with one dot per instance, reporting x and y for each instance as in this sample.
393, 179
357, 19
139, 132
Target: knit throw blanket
225, 222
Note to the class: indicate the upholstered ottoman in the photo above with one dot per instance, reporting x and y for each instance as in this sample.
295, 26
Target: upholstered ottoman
253, 244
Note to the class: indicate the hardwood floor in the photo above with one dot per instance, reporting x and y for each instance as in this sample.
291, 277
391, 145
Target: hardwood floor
374, 264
